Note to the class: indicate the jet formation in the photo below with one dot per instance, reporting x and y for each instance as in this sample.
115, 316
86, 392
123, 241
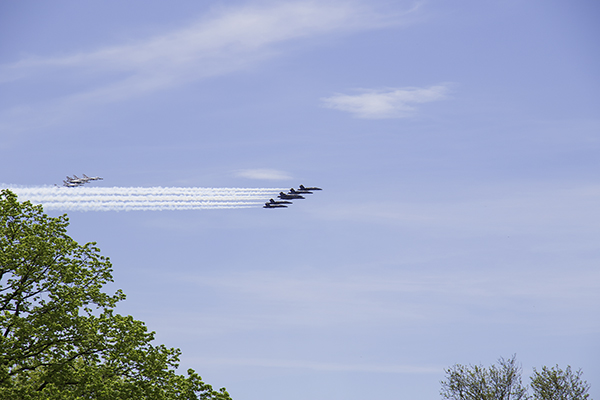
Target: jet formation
76, 181
293, 194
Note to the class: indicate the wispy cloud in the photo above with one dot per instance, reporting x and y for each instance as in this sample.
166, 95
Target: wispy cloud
264, 174
320, 366
310, 298
227, 38
223, 41
385, 103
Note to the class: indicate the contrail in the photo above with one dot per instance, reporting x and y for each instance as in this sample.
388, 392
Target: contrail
137, 198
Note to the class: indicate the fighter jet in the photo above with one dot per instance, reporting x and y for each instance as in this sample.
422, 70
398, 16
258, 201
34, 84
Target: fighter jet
274, 205
75, 179
309, 188
279, 202
72, 184
80, 181
299, 191
289, 196
94, 178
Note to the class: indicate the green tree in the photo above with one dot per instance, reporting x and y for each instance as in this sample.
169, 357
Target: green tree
59, 335
476, 382
555, 384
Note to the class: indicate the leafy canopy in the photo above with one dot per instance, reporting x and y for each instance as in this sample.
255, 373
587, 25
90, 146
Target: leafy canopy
556, 384
503, 382
59, 335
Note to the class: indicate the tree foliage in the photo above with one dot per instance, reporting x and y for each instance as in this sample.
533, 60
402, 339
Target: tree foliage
556, 384
476, 382
503, 382
60, 337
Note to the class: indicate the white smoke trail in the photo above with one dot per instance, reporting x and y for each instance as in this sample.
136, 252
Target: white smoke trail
136, 198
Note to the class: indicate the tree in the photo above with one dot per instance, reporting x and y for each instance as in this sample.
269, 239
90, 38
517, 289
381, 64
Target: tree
59, 335
504, 383
476, 382
555, 384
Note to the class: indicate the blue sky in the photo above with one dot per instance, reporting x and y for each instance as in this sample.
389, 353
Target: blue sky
457, 144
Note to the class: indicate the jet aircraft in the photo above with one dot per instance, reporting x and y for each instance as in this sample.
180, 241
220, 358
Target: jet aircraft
289, 196
72, 184
80, 181
279, 202
274, 205
76, 179
309, 188
299, 191
94, 178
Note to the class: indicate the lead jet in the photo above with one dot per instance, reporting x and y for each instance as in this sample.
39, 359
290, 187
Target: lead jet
94, 178
274, 205
271, 201
289, 196
309, 188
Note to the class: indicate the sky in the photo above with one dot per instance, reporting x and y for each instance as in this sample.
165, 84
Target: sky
457, 145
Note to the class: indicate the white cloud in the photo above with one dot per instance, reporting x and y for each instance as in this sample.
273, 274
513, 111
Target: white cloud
385, 103
264, 174
226, 40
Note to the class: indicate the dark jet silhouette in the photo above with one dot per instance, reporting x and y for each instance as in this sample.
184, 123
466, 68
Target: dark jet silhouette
309, 188
299, 191
279, 202
289, 196
271, 205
